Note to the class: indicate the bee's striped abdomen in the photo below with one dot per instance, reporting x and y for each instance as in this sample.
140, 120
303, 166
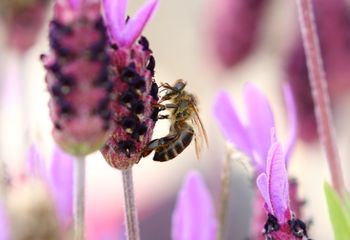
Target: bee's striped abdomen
174, 148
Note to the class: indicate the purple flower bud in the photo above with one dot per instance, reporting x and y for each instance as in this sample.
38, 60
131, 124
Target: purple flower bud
136, 93
78, 77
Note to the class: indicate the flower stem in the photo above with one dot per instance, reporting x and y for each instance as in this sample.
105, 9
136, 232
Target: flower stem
131, 221
79, 198
319, 91
225, 193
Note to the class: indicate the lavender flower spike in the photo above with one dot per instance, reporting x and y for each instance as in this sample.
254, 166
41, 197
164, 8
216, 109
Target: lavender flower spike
194, 215
253, 136
134, 108
123, 31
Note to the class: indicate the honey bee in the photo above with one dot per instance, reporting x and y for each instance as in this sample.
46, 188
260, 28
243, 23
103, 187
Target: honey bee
185, 124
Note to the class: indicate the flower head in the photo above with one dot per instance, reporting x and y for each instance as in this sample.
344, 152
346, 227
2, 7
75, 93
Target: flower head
78, 78
253, 136
136, 93
273, 185
194, 214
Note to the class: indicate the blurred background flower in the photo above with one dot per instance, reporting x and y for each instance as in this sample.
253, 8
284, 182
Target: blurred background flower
194, 215
23, 20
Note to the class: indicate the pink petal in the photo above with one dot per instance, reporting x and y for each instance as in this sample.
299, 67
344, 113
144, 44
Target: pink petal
120, 13
114, 12
277, 182
292, 121
136, 24
3, 224
194, 215
74, 3
62, 180
35, 164
262, 183
230, 124
260, 119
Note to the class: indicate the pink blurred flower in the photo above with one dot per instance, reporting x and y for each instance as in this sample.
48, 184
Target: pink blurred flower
234, 26
194, 215
59, 179
134, 108
101, 223
253, 136
281, 223
23, 21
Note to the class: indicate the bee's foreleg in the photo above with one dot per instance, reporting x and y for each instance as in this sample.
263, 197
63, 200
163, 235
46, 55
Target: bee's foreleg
171, 105
150, 147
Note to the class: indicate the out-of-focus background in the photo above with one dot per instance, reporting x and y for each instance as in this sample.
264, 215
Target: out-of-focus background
181, 37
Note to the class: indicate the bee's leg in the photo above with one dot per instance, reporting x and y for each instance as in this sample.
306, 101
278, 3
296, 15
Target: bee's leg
160, 116
171, 105
152, 145
166, 97
167, 86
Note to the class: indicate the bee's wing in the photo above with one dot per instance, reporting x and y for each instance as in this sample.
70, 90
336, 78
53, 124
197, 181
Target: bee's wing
200, 133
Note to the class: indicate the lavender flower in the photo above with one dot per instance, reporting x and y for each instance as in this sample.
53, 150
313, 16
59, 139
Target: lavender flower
281, 223
40, 206
136, 93
253, 137
194, 214
78, 78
